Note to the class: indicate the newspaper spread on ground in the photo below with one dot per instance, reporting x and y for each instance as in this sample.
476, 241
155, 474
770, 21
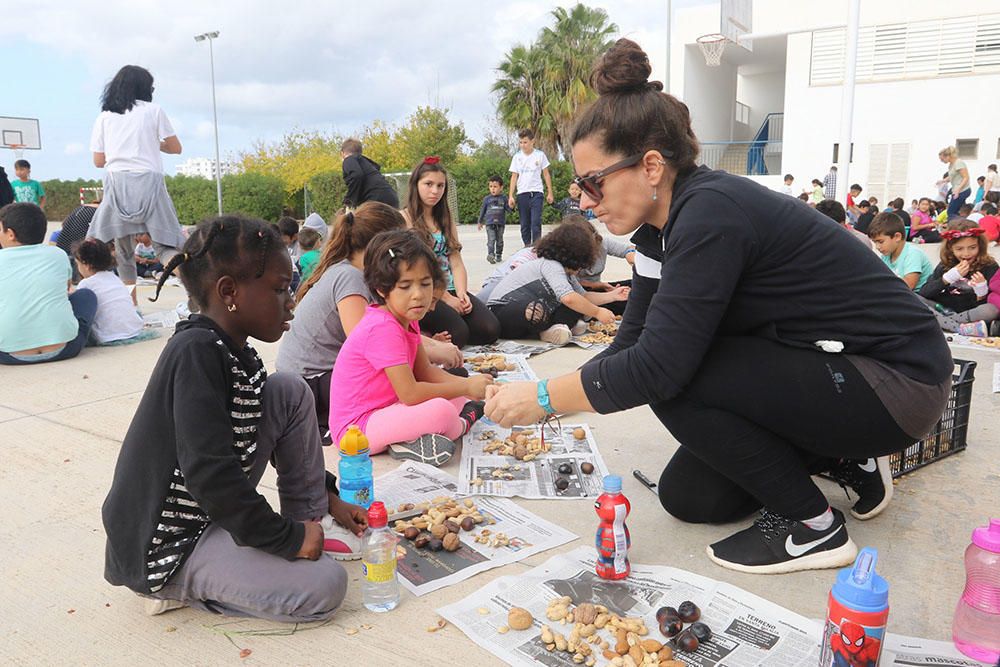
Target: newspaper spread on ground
996, 377
900, 651
490, 465
163, 319
991, 343
422, 570
510, 347
508, 367
748, 630
587, 344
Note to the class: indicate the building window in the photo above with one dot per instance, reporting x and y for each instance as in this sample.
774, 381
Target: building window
836, 153
968, 149
742, 113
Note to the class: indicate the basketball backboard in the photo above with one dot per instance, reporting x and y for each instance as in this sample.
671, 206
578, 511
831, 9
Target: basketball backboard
22, 133
736, 20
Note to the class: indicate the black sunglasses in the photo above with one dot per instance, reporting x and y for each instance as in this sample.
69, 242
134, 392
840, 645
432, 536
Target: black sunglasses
592, 184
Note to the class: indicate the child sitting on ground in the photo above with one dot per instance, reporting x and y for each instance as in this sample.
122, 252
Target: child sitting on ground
989, 222
185, 522
309, 246
906, 260
922, 226
493, 214
147, 264
590, 277
116, 317
543, 298
960, 283
382, 380
39, 320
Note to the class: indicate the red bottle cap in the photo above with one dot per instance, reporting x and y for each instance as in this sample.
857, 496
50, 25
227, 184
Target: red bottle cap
377, 515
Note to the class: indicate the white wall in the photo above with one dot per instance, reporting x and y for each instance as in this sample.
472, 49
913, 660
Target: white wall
927, 114
764, 94
710, 93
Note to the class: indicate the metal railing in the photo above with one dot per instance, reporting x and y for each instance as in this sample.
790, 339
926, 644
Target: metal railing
758, 157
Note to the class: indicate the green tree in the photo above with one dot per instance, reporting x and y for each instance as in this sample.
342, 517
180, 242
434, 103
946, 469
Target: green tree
542, 86
429, 132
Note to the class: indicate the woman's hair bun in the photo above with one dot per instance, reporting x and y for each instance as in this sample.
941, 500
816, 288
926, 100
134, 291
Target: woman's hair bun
623, 68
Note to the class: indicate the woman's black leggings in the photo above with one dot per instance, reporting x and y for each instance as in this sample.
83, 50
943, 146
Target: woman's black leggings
757, 421
526, 318
479, 327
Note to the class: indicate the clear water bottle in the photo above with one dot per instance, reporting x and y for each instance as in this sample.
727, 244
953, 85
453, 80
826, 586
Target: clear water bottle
379, 584
976, 630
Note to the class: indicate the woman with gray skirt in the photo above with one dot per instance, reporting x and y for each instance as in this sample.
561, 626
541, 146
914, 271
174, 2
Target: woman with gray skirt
128, 137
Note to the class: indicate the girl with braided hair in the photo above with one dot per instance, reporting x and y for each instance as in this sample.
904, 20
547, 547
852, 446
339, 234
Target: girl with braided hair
183, 504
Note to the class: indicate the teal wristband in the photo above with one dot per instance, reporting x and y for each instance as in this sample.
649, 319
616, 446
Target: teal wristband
543, 397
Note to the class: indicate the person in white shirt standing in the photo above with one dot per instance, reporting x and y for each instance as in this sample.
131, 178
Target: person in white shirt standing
527, 169
128, 137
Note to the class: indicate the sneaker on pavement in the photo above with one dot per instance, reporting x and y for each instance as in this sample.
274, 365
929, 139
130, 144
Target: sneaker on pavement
156, 606
871, 481
557, 334
433, 449
339, 542
491, 259
977, 329
579, 328
775, 544
471, 413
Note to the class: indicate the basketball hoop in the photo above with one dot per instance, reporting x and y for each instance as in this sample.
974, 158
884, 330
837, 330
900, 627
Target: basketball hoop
712, 47
17, 148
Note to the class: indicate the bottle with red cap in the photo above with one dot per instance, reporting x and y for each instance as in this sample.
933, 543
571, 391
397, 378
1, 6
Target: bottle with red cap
976, 629
379, 584
612, 539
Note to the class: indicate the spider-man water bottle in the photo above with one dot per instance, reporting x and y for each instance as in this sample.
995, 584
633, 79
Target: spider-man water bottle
612, 540
856, 615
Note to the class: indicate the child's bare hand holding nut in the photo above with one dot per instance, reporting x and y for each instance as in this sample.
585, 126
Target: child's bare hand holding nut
478, 385
352, 517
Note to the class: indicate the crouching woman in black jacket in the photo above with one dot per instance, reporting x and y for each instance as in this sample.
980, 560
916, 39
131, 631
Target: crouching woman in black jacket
749, 352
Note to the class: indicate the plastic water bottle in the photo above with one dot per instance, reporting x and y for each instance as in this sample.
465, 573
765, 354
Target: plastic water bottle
379, 584
355, 470
976, 630
613, 540
857, 612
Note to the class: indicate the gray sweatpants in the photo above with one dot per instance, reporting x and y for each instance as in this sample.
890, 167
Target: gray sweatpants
222, 577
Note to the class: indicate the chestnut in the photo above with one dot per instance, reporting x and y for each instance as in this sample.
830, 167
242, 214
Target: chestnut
688, 611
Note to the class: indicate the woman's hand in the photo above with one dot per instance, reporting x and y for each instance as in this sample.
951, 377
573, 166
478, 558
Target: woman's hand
514, 404
604, 316
464, 303
620, 293
477, 385
312, 542
351, 517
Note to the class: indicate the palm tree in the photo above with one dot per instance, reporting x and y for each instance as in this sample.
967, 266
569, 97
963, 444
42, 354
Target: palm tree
543, 85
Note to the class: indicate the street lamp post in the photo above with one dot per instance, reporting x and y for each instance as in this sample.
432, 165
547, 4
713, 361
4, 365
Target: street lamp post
215, 117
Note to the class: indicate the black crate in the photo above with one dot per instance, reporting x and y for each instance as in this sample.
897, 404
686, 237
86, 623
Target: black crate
948, 435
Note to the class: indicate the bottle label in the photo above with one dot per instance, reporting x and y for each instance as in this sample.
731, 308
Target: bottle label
379, 573
621, 542
852, 637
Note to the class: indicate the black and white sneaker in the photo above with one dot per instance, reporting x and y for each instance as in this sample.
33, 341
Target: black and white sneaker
871, 481
433, 449
775, 544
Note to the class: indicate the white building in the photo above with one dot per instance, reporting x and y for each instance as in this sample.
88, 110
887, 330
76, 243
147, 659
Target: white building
204, 167
928, 76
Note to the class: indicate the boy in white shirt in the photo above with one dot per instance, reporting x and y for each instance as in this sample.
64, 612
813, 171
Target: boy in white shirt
787, 187
527, 169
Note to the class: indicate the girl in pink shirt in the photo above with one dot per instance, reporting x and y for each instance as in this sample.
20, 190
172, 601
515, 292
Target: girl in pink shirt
382, 380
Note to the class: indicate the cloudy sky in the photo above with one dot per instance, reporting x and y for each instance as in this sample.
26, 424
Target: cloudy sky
332, 66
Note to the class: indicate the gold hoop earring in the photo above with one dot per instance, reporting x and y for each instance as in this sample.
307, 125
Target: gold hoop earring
231, 308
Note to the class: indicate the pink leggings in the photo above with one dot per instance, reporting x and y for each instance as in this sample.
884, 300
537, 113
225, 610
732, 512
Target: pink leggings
400, 422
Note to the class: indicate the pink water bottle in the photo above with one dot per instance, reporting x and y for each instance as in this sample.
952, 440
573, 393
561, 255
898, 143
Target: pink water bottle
976, 630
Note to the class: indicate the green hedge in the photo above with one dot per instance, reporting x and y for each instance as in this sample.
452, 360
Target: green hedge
263, 197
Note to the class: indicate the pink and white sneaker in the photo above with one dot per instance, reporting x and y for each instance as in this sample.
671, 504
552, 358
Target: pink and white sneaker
339, 542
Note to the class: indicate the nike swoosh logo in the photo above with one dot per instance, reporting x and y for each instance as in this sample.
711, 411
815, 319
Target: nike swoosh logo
869, 466
795, 550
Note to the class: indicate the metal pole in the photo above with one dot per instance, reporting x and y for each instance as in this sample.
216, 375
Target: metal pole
215, 120
670, 26
847, 100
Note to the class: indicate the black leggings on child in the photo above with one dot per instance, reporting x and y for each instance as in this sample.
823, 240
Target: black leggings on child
757, 420
527, 319
479, 327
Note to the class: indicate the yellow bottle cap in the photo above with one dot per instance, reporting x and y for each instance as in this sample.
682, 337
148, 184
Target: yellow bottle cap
354, 441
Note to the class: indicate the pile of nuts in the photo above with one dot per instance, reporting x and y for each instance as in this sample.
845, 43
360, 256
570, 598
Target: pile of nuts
603, 334
523, 445
489, 538
443, 519
493, 364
